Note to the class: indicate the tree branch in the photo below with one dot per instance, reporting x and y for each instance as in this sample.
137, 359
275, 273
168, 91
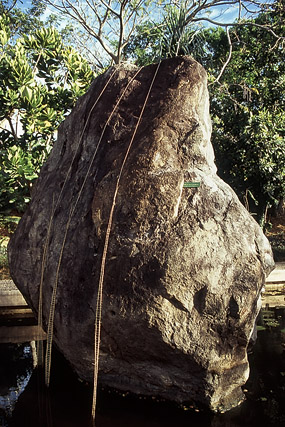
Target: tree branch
228, 58
122, 29
77, 16
12, 128
238, 24
110, 8
108, 20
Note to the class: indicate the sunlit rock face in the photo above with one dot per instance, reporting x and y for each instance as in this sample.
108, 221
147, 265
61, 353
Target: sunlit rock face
184, 267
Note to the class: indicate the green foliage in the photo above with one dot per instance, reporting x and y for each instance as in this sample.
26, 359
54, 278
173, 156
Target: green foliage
248, 113
22, 22
18, 174
3, 260
8, 223
179, 38
7, 227
40, 80
278, 247
173, 37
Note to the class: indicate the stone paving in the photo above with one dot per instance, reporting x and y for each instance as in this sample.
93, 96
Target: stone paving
7, 286
278, 274
274, 294
10, 294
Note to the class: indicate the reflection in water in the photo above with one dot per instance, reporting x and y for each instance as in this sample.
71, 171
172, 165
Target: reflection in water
267, 380
68, 401
16, 368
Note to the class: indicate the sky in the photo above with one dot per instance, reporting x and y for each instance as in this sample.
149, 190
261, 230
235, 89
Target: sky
24, 4
225, 14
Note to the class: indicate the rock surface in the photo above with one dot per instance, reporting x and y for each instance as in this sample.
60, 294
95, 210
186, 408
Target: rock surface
185, 266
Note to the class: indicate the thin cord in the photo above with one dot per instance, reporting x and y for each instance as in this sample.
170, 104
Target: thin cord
40, 306
71, 213
54, 207
67, 175
98, 317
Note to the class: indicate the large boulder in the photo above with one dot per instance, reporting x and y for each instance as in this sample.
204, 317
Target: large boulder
185, 266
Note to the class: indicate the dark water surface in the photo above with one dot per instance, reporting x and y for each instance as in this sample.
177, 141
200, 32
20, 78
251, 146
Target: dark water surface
24, 401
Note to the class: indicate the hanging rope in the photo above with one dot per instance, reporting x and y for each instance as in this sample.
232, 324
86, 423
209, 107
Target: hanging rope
52, 307
71, 213
65, 181
44, 261
98, 316
40, 306
54, 207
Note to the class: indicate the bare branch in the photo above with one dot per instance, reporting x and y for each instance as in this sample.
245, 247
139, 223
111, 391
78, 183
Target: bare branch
228, 58
239, 10
92, 57
76, 14
113, 11
122, 29
13, 5
92, 7
12, 128
238, 24
109, 21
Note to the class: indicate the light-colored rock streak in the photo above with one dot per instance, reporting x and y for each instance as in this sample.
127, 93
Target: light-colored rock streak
176, 206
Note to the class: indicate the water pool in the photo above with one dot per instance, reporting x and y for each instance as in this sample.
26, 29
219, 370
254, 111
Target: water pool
24, 401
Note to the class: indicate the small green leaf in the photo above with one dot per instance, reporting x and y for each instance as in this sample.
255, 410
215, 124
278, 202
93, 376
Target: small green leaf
27, 93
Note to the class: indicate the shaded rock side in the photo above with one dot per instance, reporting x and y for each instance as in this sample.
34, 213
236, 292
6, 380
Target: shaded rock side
185, 266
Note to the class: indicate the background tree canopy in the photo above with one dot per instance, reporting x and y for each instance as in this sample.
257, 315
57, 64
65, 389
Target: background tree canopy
40, 80
108, 26
247, 108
